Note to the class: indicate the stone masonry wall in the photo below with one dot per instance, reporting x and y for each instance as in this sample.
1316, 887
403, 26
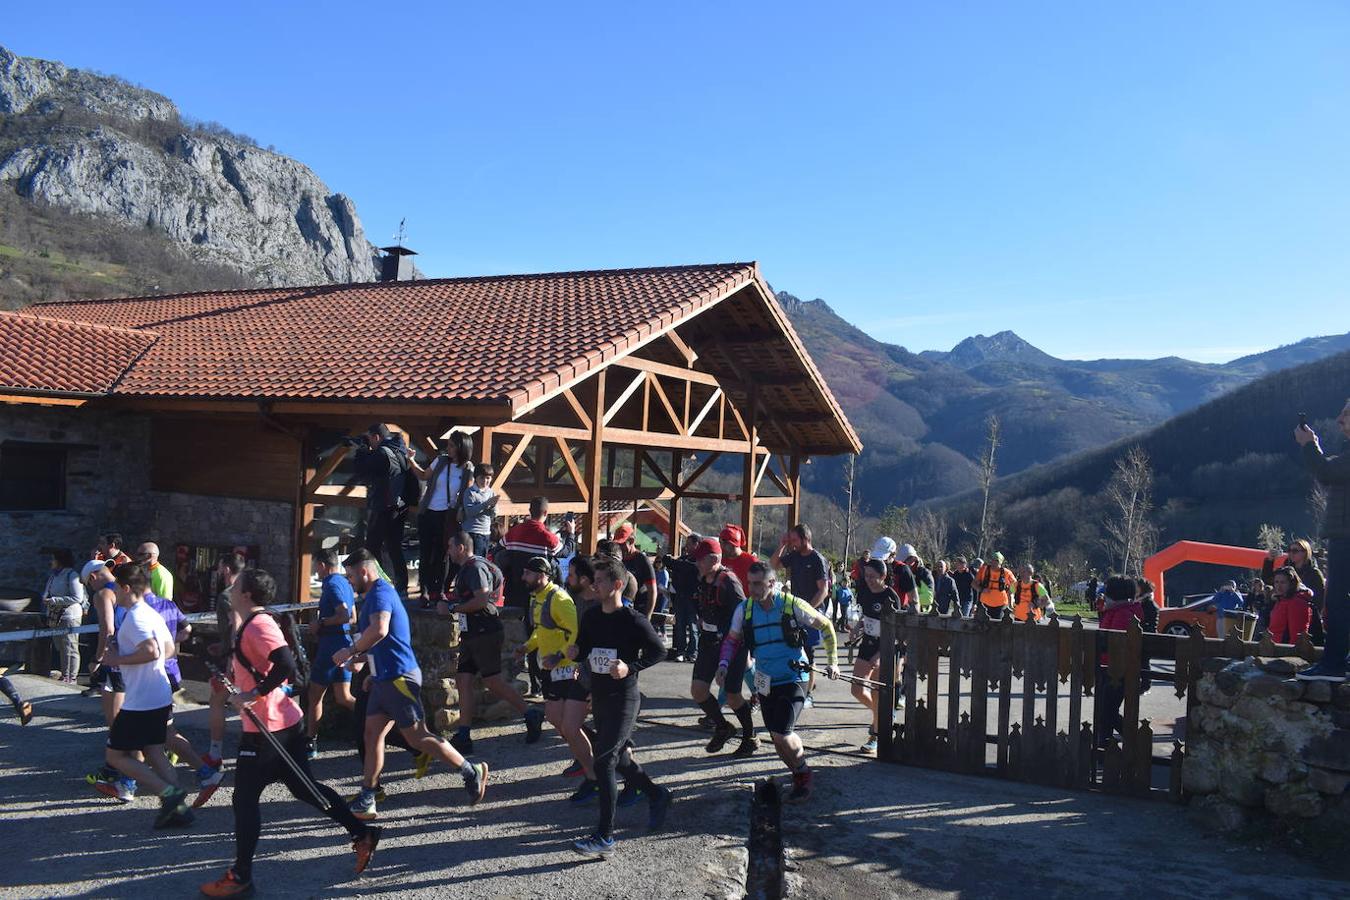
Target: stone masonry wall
1264, 748
436, 642
194, 519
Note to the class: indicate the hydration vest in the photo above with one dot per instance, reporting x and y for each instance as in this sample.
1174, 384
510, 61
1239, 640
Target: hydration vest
1024, 604
789, 632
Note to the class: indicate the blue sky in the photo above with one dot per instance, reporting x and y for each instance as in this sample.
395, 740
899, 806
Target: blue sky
1135, 179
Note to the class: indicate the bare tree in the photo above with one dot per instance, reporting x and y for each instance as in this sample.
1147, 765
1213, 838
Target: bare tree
850, 504
1317, 508
929, 533
1270, 538
1129, 496
1029, 548
988, 471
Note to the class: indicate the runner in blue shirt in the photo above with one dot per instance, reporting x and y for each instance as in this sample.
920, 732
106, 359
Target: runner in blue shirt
337, 618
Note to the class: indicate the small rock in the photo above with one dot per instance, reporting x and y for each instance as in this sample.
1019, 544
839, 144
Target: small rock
1243, 789
1200, 773
1284, 666
1218, 814
1341, 696
1275, 768
1271, 686
1294, 801
1210, 693
1317, 692
1330, 752
446, 719
1328, 782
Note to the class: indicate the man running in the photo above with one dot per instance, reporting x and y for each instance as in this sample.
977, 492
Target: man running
477, 595
566, 698
809, 579
337, 617
140, 647
719, 595
874, 598
995, 583
772, 625
385, 638
616, 642
262, 662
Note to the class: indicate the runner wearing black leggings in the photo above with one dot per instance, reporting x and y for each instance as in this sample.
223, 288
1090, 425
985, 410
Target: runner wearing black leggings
615, 642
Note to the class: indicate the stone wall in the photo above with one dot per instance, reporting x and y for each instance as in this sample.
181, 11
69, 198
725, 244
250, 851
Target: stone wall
195, 519
436, 643
1263, 749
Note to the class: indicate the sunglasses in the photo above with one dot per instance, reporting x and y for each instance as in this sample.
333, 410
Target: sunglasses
1293, 550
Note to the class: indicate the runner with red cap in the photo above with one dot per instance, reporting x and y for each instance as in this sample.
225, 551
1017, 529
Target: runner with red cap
718, 596
734, 555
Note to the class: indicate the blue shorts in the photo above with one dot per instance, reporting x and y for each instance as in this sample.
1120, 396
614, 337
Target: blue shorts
322, 670
397, 698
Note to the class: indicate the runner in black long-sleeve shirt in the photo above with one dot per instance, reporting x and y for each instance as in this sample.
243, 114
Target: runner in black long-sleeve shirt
614, 643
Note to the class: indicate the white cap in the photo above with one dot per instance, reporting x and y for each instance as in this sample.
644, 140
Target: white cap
905, 552
91, 567
883, 548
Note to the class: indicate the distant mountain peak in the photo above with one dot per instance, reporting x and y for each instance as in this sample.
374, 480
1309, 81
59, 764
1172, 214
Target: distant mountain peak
1003, 346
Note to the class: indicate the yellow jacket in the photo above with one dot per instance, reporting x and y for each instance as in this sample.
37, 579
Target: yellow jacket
555, 621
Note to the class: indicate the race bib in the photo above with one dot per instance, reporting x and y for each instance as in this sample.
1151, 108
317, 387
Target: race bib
710, 627
601, 659
463, 621
763, 683
564, 673
872, 627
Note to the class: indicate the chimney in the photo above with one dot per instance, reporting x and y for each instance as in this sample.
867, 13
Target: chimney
397, 264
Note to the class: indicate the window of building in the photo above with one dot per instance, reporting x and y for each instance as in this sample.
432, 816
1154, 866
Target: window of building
32, 476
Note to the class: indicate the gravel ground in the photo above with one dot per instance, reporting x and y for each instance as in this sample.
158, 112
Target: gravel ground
870, 831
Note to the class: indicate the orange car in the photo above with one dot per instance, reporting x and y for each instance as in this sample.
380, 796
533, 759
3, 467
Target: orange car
1177, 620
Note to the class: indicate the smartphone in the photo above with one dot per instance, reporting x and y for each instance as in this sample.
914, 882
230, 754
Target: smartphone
570, 517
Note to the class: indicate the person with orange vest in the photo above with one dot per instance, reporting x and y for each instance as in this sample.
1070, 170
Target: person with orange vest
1030, 595
995, 582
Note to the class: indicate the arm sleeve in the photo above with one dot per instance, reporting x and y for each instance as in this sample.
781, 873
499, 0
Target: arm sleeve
283, 667
473, 510
1317, 583
807, 616
735, 636
653, 649
1326, 469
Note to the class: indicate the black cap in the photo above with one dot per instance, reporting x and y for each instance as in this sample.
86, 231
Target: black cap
539, 564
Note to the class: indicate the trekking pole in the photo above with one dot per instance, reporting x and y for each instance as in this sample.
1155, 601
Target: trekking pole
851, 679
286, 757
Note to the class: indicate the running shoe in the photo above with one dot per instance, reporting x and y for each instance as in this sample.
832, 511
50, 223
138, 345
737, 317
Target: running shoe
174, 811
586, 793
421, 764
229, 885
659, 806
1321, 672
801, 786
312, 749
809, 702
575, 770
365, 847
462, 742
477, 786
628, 796
723, 733
746, 747
707, 722
870, 746
595, 846
172, 757
214, 762
208, 781
363, 807
534, 724
25, 712
380, 796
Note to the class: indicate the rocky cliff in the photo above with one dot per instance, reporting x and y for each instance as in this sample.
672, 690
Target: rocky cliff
95, 144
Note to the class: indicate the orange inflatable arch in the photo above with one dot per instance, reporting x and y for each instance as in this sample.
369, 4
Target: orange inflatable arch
1196, 551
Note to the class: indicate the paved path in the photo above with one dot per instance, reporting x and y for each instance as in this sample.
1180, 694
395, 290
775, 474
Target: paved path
871, 831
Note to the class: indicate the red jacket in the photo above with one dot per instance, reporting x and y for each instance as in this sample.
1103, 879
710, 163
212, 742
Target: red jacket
1291, 617
532, 537
1118, 619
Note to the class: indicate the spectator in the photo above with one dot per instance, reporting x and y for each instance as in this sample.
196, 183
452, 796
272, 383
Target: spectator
734, 555
662, 594
1029, 596
610, 550
110, 550
684, 582
996, 583
448, 480
1144, 592
923, 578
495, 538
1259, 601
1293, 611
809, 580
946, 594
1121, 606
1333, 473
1090, 592
65, 602
639, 565
161, 579
480, 508
1226, 600
965, 584
843, 600
525, 540
1300, 556
381, 464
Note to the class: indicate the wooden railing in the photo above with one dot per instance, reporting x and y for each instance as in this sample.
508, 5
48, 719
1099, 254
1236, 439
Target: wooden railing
984, 697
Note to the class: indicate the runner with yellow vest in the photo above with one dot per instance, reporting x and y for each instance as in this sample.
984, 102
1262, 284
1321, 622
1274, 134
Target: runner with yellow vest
1030, 595
995, 583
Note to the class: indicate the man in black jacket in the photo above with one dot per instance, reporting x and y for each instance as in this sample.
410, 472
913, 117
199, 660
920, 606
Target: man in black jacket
1333, 473
381, 464
684, 582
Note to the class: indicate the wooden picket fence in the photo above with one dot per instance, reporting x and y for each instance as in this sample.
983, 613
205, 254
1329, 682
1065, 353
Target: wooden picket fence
983, 697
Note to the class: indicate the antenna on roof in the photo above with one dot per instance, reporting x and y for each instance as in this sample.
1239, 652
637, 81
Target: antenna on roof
396, 264
402, 234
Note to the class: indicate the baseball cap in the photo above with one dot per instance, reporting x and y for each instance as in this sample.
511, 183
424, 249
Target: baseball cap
91, 567
733, 535
623, 533
883, 548
905, 552
707, 547
539, 564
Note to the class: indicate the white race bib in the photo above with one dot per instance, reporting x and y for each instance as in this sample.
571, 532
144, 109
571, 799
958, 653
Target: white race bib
564, 673
463, 621
871, 627
763, 683
601, 659
710, 627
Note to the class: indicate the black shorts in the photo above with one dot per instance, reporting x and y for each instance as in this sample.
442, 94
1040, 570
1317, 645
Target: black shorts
709, 657
566, 689
108, 679
136, 729
869, 648
481, 654
781, 708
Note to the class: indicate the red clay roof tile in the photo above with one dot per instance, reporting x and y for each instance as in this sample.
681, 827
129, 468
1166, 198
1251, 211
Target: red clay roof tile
50, 355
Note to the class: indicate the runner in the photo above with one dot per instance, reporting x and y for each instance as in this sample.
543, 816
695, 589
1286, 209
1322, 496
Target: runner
22, 708
386, 639
874, 598
566, 697
809, 579
734, 555
1029, 596
262, 662
640, 566
337, 616
101, 586
995, 583
776, 637
616, 642
719, 595
141, 646
477, 597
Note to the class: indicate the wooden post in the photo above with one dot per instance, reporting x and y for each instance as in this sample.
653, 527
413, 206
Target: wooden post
673, 548
886, 748
748, 473
302, 550
794, 483
591, 518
